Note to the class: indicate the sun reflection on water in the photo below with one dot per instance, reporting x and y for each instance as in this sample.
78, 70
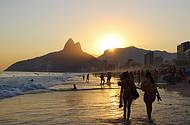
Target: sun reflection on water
90, 107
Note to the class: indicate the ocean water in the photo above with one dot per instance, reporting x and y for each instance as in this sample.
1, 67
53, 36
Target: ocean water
90, 105
18, 83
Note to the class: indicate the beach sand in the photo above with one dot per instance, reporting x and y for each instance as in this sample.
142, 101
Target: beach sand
182, 88
90, 107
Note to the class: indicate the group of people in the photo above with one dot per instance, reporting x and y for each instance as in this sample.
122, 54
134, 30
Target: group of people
174, 75
102, 78
128, 93
139, 75
87, 77
169, 74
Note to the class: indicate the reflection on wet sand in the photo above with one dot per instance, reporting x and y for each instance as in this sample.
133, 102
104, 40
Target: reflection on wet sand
99, 106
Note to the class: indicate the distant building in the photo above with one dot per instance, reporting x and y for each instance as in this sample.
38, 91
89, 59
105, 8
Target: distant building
187, 54
129, 62
183, 51
149, 58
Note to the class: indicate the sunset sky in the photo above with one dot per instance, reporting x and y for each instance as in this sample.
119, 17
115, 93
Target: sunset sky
30, 28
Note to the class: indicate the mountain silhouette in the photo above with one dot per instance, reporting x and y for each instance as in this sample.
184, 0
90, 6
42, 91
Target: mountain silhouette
122, 55
73, 59
70, 59
72, 48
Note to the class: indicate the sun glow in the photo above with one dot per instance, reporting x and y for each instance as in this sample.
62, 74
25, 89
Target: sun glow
110, 42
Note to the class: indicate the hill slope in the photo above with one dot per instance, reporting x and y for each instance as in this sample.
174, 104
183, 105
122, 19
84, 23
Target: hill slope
121, 55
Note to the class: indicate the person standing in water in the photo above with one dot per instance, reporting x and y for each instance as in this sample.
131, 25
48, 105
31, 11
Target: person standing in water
126, 94
83, 77
109, 78
150, 92
87, 78
102, 79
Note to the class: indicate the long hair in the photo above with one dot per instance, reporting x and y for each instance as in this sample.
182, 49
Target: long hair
149, 76
124, 75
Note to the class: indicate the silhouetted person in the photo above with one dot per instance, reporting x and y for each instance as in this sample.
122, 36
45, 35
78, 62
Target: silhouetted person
150, 92
32, 80
87, 78
126, 94
109, 78
102, 80
74, 87
83, 77
132, 78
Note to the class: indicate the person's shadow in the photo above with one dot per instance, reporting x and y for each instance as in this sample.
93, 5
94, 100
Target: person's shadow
144, 121
119, 121
133, 121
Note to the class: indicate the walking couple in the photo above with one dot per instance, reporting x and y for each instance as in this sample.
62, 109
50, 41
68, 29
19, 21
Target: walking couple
128, 93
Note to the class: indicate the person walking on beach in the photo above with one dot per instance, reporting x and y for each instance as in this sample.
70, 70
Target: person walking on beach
150, 92
132, 78
102, 80
109, 78
74, 87
126, 94
87, 78
83, 77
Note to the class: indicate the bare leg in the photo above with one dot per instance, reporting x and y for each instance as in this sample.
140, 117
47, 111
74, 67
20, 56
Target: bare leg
149, 110
124, 109
129, 108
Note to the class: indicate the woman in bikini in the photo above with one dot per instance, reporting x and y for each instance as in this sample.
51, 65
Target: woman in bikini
150, 92
126, 95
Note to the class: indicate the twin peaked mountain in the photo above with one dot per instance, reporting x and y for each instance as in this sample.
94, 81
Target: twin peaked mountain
70, 59
73, 59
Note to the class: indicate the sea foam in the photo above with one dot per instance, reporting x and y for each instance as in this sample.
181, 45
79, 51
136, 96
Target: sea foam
17, 83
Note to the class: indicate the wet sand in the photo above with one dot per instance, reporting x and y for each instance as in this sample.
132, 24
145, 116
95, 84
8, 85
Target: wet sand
90, 107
